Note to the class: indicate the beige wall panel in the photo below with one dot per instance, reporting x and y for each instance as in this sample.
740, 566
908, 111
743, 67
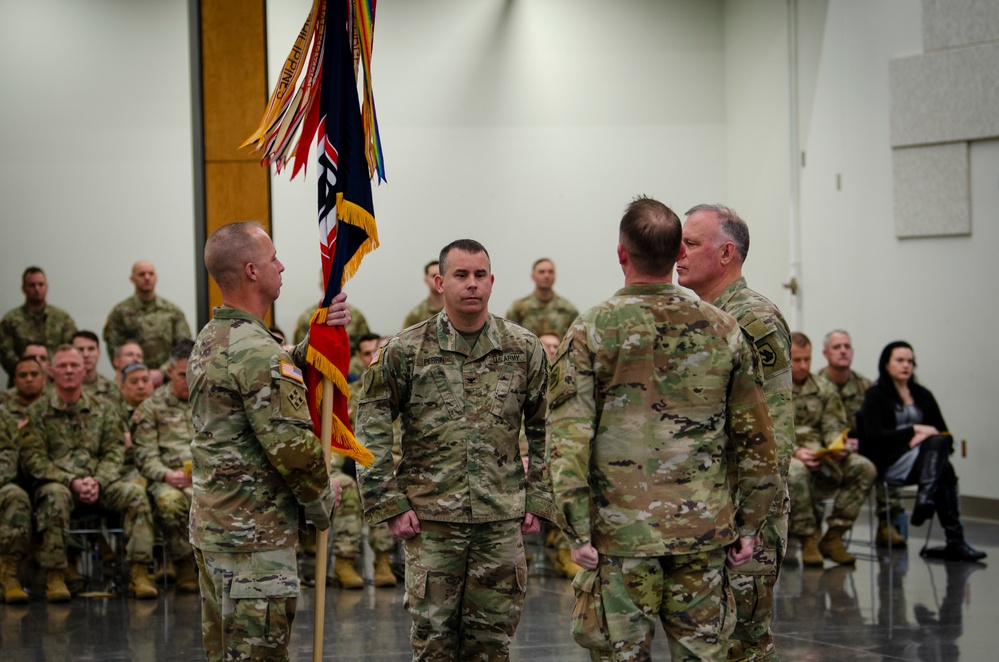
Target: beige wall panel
931, 190
949, 23
945, 96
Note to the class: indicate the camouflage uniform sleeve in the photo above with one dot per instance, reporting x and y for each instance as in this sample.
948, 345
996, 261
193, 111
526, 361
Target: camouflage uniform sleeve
514, 313
35, 455
113, 331
146, 442
181, 329
833, 414
7, 354
382, 396
112, 448
274, 399
68, 329
572, 424
8, 453
752, 434
539, 493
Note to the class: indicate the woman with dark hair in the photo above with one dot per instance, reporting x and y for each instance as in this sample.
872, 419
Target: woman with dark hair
905, 436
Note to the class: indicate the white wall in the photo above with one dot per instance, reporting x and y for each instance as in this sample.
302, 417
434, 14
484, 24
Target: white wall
528, 126
857, 274
95, 169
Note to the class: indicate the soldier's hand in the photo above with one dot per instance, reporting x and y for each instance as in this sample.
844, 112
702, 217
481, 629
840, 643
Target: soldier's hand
405, 525
337, 491
585, 556
531, 524
808, 458
741, 551
177, 479
338, 314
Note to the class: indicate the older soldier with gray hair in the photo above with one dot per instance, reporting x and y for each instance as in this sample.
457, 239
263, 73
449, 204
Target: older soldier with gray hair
716, 244
653, 395
255, 458
462, 383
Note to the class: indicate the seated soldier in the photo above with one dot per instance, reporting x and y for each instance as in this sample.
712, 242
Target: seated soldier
15, 515
162, 441
815, 472
73, 444
30, 380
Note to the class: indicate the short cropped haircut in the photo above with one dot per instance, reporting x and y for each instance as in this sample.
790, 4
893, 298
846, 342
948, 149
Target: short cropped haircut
828, 338
26, 359
181, 351
132, 367
426, 267
128, 341
463, 245
229, 249
29, 271
539, 261
368, 337
89, 335
651, 233
731, 226
65, 347
799, 339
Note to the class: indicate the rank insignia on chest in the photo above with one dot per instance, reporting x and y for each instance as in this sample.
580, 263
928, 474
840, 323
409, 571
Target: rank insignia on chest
296, 399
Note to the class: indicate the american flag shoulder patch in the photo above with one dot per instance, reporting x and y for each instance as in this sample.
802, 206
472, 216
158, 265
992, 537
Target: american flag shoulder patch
292, 371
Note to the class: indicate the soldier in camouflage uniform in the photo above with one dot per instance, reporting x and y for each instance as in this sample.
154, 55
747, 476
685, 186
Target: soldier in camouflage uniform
34, 321
255, 458
851, 387
73, 444
15, 516
716, 243
348, 523
128, 352
29, 385
433, 304
155, 323
652, 395
88, 345
462, 383
543, 311
162, 441
819, 419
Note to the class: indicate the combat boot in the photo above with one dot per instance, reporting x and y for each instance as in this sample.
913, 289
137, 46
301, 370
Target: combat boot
139, 585
165, 574
12, 592
384, 577
344, 575
831, 546
811, 557
55, 587
887, 535
564, 565
187, 576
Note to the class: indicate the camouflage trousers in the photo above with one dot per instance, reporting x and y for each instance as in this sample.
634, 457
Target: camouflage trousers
849, 480
15, 521
172, 509
753, 587
248, 603
347, 523
888, 508
54, 504
465, 588
688, 593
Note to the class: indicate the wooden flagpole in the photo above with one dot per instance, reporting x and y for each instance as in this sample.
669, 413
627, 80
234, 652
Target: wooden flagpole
322, 537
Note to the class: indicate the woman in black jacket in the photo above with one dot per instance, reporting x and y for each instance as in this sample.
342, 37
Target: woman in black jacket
905, 436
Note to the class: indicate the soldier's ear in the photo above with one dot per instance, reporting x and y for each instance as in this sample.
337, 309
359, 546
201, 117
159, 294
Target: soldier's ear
727, 252
622, 254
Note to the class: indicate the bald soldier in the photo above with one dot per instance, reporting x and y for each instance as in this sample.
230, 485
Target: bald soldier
155, 323
716, 244
653, 396
462, 383
255, 458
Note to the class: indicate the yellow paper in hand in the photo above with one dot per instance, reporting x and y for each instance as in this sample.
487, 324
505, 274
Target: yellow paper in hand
838, 445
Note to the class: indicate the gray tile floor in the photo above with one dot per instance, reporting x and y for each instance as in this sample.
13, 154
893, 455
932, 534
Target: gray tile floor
897, 608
